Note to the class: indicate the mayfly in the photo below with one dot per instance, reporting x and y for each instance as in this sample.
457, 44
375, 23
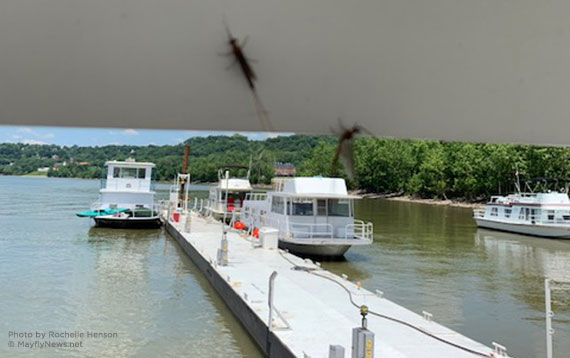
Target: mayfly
240, 58
236, 49
344, 151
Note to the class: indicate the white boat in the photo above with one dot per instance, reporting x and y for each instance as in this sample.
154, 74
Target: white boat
313, 216
126, 197
227, 196
538, 214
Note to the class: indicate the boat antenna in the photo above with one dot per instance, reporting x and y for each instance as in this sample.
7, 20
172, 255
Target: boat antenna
518, 181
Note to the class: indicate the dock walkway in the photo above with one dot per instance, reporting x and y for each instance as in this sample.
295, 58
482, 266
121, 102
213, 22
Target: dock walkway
315, 311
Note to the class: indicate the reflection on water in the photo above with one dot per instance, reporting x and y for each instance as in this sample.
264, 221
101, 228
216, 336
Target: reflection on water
485, 284
57, 272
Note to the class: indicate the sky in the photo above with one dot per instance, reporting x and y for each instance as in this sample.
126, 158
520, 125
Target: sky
108, 136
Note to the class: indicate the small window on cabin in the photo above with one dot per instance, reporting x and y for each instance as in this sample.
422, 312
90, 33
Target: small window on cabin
494, 211
141, 173
116, 172
521, 214
550, 214
321, 207
302, 207
339, 207
277, 205
508, 213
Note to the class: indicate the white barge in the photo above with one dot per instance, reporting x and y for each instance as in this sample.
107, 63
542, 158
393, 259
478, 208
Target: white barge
314, 216
311, 309
538, 214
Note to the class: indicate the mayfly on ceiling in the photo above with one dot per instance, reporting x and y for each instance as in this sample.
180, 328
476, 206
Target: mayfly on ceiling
236, 50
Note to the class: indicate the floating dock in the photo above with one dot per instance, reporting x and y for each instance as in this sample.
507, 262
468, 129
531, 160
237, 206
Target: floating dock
314, 308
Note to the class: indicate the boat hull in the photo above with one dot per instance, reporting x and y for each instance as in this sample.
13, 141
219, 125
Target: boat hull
128, 223
548, 231
330, 248
331, 251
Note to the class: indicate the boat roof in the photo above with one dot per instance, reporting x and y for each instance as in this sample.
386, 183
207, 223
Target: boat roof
129, 163
549, 198
316, 187
234, 184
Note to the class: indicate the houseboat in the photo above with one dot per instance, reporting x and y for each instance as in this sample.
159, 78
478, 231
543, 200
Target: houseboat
539, 214
313, 216
126, 197
227, 196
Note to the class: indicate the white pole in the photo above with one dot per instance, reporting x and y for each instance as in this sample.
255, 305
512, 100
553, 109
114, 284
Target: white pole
549, 314
270, 300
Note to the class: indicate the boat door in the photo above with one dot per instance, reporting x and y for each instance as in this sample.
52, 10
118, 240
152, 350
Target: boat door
321, 216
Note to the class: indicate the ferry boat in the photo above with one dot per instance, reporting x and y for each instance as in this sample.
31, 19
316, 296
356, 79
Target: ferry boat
126, 197
227, 196
313, 216
539, 214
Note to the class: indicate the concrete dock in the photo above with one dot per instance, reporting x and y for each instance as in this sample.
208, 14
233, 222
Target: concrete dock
314, 305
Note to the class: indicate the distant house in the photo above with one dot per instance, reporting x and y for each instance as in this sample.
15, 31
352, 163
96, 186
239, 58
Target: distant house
55, 157
83, 163
43, 169
285, 170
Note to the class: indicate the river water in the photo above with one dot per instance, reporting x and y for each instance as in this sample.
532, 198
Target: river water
60, 274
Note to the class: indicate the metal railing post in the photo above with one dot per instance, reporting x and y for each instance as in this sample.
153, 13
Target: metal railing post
549, 314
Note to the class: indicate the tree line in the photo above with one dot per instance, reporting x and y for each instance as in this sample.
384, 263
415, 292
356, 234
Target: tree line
421, 168
436, 169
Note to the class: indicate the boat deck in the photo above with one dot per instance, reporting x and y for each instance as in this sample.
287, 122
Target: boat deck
317, 311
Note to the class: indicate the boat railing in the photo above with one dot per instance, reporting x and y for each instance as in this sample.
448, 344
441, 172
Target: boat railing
359, 230
478, 213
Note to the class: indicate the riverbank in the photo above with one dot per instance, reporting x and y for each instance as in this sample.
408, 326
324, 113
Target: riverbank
410, 199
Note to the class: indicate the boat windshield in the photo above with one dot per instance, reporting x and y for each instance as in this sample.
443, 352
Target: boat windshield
339, 207
302, 207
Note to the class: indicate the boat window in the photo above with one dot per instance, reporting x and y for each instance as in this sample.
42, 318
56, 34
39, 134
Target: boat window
321, 207
302, 207
128, 172
116, 172
494, 211
521, 213
141, 173
277, 205
339, 207
550, 214
508, 212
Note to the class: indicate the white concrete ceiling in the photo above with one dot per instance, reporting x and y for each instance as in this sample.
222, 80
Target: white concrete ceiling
474, 70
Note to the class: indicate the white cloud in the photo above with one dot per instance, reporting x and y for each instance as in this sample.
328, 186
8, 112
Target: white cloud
130, 131
32, 141
36, 134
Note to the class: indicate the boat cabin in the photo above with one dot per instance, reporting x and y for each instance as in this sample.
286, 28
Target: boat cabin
127, 184
311, 207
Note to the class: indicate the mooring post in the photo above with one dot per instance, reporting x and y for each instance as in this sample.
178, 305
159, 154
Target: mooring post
270, 299
549, 314
223, 250
188, 220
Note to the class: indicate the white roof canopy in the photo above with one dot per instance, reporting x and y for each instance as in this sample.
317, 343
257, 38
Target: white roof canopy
481, 70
